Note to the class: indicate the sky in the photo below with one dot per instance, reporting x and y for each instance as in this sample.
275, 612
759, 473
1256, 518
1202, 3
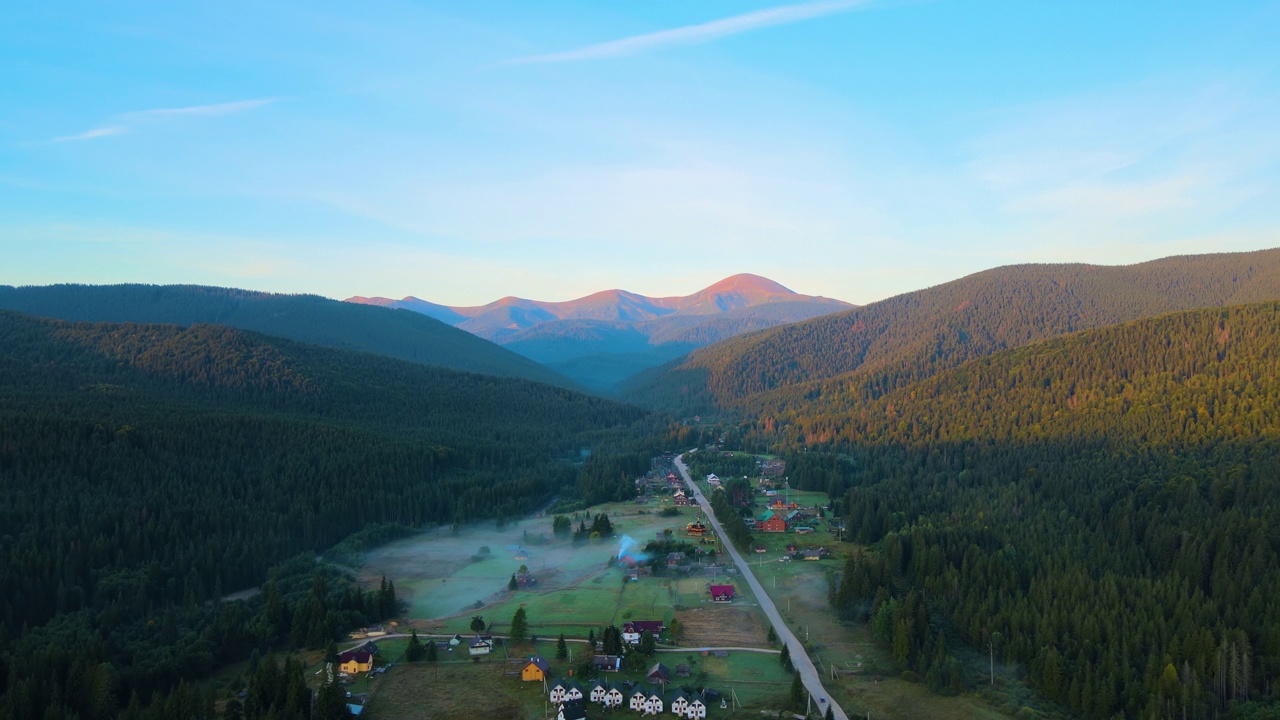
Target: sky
464, 151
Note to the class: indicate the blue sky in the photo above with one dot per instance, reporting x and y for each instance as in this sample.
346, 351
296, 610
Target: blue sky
460, 152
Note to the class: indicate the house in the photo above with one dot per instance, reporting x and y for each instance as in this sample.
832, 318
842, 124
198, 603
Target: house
679, 703
598, 692
572, 710
573, 691
672, 479
455, 641
721, 593
696, 709
712, 479
355, 661
557, 691
683, 671
613, 696
769, 521
653, 703
812, 555
796, 516
525, 580
631, 631
673, 559
658, 674
480, 645
607, 663
535, 670
681, 499
696, 528
639, 699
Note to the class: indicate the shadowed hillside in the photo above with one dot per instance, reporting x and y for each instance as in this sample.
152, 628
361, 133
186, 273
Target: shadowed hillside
305, 318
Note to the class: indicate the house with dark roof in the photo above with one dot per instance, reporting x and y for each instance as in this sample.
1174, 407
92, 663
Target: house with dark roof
696, 709
638, 698
480, 645
355, 661
607, 663
613, 696
572, 710
683, 670
632, 630
658, 674
535, 670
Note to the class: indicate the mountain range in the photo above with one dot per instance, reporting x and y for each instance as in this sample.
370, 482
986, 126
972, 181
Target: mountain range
870, 350
605, 337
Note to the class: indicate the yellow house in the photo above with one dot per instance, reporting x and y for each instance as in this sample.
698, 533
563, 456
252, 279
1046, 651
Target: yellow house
535, 670
355, 661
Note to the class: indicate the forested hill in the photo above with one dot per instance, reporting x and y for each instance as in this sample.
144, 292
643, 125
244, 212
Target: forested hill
305, 318
1101, 508
889, 344
148, 468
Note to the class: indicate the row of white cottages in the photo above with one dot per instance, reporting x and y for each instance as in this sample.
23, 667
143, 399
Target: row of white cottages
646, 701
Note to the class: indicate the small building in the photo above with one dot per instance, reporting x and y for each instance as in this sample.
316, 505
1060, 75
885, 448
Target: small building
712, 479
696, 709
607, 663
535, 670
674, 559
557, 691
355, 661
681, 499
632, 630
638, 699
573, 691
683, 670
769, 521
653, 704
812, 555
480, 645
658, 674
455, 641
599, 690
572, 710
696, 528
613, 696
721, 593
679, 703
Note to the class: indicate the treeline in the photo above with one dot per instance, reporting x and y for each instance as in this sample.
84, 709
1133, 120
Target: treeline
80, 667
150, 470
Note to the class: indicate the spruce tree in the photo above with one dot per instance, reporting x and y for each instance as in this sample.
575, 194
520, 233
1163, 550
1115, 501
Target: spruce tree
562, 648
519, 627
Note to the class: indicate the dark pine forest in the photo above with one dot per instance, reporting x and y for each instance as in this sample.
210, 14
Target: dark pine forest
150, 469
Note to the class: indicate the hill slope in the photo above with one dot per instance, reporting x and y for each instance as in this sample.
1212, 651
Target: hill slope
147, 469
888, 344
1101, 506
605, 337
305, 318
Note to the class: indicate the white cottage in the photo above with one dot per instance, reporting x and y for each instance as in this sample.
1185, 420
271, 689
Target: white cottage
556, 694
598, 691
639, 699
613, 696
653, 703
696, 709
679, 703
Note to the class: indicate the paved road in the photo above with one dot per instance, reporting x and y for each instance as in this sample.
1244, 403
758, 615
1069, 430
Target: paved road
808, 673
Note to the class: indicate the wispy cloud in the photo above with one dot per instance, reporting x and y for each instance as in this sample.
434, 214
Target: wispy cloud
127, 122
93, 134
207, 110
700, 33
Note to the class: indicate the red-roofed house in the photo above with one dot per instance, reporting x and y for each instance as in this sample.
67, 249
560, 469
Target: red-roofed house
721, 593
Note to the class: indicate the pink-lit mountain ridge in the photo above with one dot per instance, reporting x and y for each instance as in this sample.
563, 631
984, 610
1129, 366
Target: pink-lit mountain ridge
605, 337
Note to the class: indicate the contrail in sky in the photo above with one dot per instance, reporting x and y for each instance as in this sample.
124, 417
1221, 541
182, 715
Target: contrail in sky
700, 33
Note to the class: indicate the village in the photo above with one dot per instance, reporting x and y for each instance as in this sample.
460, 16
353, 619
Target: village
659, 577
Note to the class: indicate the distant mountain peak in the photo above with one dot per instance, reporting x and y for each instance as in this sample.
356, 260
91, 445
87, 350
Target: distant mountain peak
746, 282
